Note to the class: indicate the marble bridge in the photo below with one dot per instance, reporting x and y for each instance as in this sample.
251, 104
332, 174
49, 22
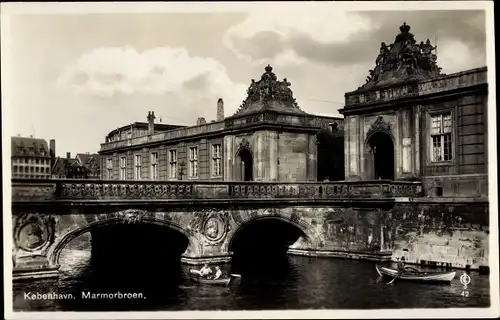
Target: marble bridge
356, 219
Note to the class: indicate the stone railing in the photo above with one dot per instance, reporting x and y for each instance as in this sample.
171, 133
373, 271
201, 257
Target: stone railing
102, 190
453, 81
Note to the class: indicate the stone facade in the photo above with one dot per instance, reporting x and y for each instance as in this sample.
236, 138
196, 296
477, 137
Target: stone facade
277, 139
434, 124
411, 122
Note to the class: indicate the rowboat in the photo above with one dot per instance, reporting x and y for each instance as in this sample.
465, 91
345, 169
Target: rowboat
431, 277
225, 281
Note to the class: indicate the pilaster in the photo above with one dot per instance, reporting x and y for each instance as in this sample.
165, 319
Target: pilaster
273, 155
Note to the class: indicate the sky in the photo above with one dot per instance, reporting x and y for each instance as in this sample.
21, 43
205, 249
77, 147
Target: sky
76, 77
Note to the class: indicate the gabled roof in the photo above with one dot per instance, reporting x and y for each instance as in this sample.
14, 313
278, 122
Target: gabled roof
87, 158
60, 163
269, 94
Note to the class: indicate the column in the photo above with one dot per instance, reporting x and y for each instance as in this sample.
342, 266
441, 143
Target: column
273, 156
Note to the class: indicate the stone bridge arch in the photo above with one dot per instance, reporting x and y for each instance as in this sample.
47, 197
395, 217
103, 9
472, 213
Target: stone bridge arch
311, 239
116, 218
55, 232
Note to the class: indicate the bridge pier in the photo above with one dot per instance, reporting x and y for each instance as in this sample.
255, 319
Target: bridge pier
33, 267
211, 259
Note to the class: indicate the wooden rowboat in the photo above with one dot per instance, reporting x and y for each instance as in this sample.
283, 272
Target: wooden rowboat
225, 281
431, 277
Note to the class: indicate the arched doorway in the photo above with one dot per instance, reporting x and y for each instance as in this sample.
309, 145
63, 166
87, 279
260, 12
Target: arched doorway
245, 165
379, 155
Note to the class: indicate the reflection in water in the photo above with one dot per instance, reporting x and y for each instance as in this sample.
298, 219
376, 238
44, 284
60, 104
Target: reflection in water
286, 283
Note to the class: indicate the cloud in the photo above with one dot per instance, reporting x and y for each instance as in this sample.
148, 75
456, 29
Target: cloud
269, 35
337, 38
110, 71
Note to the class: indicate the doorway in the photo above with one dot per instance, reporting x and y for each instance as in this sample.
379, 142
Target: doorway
380, 157
245, 165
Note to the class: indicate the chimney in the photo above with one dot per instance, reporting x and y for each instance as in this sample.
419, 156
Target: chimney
52, 146
220, 110
201, 121
151, 122
68, 155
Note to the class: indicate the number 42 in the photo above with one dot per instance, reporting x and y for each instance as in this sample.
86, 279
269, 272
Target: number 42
465, 294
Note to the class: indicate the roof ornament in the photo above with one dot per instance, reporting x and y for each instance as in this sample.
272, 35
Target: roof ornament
269, 91
403, 59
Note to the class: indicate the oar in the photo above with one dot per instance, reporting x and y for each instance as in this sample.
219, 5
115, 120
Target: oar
393, 279
235, 275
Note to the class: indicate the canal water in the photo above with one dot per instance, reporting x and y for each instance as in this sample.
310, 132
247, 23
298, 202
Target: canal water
274, 284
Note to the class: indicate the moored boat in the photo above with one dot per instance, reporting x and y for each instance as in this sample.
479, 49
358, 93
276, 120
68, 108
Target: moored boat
431, 277
225, 281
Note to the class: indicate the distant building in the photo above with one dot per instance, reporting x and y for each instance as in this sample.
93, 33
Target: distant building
83, 166
270, 138
92, 164
411, 122
30, 158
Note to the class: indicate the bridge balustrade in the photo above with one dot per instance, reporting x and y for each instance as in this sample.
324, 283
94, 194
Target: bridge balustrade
35, 189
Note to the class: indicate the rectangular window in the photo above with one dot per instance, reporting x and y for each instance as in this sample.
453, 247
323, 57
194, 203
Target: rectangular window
441, 137
216, 160
137, 167
193, 162
154, 166
172, 164
109, 168
123, 168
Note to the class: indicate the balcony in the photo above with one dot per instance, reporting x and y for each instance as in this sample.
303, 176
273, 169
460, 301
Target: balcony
102, 190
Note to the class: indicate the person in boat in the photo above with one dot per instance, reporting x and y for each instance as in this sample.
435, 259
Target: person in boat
206, 271
402, 267
218, 273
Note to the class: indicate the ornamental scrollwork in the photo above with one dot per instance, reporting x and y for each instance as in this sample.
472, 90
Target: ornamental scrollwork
131, 216
245, 144
380, 124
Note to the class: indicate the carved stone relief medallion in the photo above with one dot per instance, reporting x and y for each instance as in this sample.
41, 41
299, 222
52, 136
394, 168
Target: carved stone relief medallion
33, 232
215, 226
